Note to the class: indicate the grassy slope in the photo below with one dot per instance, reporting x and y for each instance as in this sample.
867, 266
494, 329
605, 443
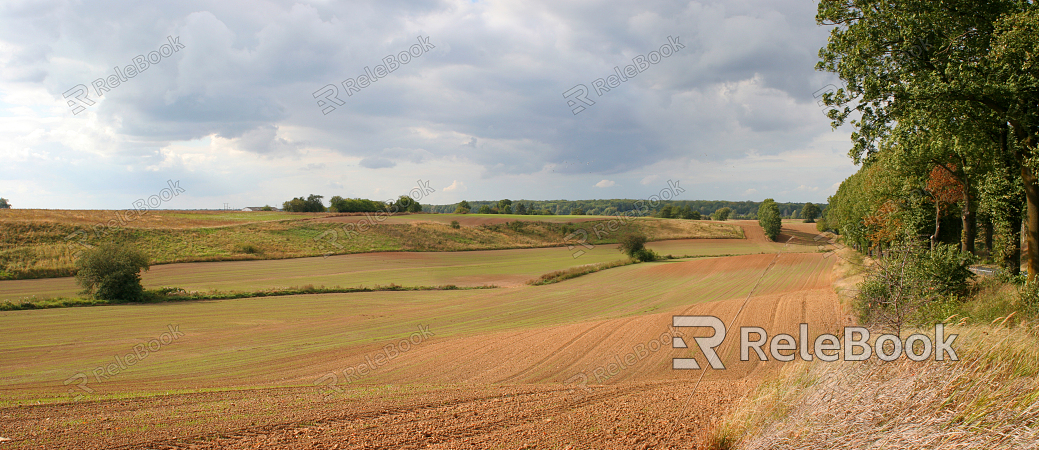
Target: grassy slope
33, 246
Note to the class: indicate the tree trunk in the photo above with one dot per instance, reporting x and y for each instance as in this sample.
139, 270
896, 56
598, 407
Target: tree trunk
937, 225
1014, 258
969, 221
1032, 222
986, 232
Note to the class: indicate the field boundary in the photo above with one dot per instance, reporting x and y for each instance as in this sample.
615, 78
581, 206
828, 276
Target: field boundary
165, 295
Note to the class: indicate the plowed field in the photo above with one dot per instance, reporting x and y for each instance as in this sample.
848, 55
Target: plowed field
585, 363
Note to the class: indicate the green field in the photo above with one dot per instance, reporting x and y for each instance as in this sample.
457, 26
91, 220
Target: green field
473, 268
284, 340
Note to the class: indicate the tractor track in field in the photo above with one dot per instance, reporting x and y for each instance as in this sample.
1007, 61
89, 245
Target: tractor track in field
443, 422
477, 385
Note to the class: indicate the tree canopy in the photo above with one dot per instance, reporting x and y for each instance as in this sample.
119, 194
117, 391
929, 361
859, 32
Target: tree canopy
952, 86
769, 218
722, 214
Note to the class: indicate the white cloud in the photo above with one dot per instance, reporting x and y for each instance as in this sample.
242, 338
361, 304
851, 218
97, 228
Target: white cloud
455, 186
605, 184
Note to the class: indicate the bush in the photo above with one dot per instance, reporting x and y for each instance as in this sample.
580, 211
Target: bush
909, 280
112, 272
645, 255
247, 248
455, 224
631, 244
1029, 295
949, 268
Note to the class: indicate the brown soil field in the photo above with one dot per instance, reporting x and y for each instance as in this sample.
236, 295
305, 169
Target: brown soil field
582, 364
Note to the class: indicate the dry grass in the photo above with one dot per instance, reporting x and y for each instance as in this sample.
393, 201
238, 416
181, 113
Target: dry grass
43, 243
147, 219
988, 399
574, 272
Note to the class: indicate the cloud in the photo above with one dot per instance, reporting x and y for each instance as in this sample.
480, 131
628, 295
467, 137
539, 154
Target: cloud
373, 162
455, 186
604, 184
486, 100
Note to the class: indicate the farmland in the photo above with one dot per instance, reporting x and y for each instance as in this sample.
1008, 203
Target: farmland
43, 243
497, 369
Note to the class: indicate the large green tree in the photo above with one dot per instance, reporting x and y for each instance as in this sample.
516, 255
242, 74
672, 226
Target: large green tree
722, 213
810, 212
505, 206
921, 56
311, 204
770, 219
4, 204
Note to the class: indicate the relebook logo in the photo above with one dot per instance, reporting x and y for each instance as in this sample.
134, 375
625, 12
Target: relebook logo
827, 347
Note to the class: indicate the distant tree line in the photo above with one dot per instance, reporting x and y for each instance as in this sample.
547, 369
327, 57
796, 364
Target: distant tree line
313, 203
677, 209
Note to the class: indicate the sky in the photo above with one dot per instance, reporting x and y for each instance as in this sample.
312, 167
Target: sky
247, 103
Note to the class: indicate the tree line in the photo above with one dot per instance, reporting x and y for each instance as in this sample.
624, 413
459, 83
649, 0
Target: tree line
944, 101
668, 209
313, 203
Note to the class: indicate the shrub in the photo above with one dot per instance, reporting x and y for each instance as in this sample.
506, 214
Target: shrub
908, 280
631, 244
455, 224
645, 255
949, 268
112, 272
1029, 295
821, 225
247, 248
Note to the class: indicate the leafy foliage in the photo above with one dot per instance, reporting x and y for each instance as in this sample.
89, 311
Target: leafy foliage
949, 84
769, 219
311, 204
631, 243
909, 278
722, 214
810, 212
684, 209
112, 272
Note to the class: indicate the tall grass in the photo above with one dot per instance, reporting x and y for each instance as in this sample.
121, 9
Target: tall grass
988, 399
